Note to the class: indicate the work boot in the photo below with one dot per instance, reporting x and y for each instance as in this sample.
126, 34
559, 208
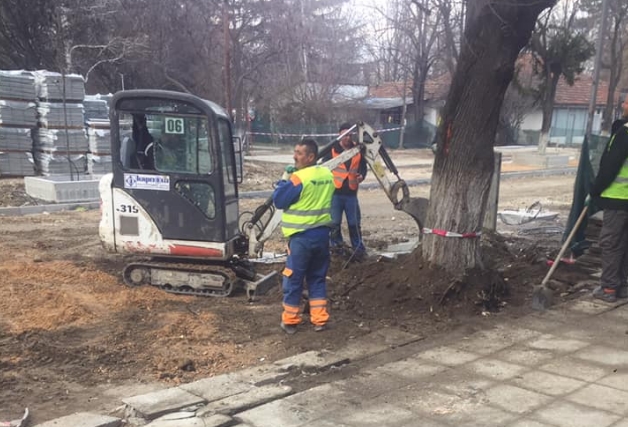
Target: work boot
320, 328
288, 329
622, 291
360, 255
605, 294
340, 251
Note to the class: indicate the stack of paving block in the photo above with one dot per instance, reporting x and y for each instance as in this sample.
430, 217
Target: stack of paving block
96, 107
17, 118
99, 156
98, 133
60, 141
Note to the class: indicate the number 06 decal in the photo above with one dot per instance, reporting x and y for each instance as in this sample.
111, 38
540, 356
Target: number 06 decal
174, 125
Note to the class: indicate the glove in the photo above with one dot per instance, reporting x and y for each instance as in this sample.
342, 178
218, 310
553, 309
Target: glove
287, 172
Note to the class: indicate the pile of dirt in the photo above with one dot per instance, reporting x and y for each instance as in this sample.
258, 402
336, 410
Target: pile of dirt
409, 293
12, 193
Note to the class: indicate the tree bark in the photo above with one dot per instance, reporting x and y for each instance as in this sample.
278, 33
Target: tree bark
495, 33
418, 89
548, 110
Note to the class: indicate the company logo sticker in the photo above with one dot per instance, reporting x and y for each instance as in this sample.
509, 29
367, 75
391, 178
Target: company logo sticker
135, 181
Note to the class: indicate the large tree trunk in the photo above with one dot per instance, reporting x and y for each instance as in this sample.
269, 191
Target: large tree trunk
495, 33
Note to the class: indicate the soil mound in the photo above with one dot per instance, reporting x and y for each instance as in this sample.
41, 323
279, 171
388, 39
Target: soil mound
407, 291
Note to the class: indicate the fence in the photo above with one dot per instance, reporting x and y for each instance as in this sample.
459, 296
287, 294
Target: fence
590, 155
261, 132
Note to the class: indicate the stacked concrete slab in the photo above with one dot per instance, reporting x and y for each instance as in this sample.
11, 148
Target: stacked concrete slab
96, 107
99, 156
98, 133
17, 118
60, 141
49, 86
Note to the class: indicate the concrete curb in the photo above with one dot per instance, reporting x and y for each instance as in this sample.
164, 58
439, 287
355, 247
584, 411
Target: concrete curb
216, 401
38, 209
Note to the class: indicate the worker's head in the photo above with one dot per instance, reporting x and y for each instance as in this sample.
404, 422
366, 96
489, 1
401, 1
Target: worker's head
305, 153
346, 142
139, 127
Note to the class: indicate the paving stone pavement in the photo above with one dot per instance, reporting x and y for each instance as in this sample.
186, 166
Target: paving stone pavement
566, 367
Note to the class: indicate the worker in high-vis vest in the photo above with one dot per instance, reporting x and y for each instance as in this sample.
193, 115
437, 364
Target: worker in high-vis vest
305, 197
347, 178
610, 193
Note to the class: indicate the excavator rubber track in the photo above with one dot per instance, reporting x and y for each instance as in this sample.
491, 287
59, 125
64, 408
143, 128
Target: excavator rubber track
182, 278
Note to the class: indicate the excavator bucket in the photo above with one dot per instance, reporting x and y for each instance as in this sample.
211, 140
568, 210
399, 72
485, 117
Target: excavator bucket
262, 285
386, 173
416, 207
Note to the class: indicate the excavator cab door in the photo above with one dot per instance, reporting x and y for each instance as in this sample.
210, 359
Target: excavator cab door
174, 168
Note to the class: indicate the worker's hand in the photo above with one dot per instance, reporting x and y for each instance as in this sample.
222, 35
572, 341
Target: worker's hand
587, 200
288, 170
360, 178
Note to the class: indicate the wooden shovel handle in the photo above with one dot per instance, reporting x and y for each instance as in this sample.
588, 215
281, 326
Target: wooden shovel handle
565, 245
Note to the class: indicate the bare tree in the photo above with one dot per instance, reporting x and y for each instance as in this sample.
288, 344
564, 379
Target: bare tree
423, 41
409, 43
26, 31
452, 21
495, 32
391, 46
560, 51
614, 48
519, 101
317, 49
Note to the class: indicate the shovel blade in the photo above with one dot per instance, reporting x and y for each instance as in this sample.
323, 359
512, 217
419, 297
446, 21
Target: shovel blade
542, 298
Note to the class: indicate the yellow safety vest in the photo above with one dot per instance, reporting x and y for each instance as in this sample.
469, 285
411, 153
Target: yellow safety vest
619, 187
313, 209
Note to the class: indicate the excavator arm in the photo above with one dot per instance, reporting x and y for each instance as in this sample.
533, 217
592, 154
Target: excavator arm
267, 218
387, 175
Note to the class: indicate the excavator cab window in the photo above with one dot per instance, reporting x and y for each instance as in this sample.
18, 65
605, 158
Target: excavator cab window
200, 194
166, 136
226, 146
136, 142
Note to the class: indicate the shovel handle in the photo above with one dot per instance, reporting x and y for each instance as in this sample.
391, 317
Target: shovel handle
564, 247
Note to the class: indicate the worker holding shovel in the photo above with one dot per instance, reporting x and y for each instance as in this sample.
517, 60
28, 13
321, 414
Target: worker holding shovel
610, 193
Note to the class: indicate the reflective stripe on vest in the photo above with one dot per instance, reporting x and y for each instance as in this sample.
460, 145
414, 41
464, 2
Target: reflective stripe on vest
341, 173
619, 187
313, 209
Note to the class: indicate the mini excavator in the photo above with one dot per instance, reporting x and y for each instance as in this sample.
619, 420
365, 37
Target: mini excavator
172, 196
